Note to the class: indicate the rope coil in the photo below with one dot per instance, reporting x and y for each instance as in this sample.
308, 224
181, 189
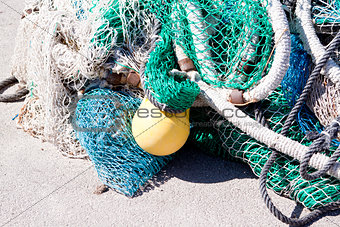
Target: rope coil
7, 83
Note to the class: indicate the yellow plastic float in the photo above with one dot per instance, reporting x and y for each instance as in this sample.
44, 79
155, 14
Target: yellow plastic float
158, 132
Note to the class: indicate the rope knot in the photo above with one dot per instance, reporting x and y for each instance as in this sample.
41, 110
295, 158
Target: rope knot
324, 139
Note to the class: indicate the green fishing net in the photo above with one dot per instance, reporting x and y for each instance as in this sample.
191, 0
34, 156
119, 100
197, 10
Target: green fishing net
175, 91
230, 43
109, 25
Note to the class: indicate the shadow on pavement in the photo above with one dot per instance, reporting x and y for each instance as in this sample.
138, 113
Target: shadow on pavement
192, 165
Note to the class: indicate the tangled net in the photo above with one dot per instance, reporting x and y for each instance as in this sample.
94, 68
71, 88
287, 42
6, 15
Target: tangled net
229, 44
326, 16
65, 46
75, 57
47, 62
319, 22
294, 82
284, 177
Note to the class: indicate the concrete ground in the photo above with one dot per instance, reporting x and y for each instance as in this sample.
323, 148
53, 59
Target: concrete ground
40, 187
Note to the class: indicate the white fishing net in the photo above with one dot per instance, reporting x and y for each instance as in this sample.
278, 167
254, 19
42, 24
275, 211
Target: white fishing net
324, 99
319, 22
64, 45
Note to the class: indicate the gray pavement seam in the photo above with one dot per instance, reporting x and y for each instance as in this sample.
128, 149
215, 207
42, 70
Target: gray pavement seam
46, 196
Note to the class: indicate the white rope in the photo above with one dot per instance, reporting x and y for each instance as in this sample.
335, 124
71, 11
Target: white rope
311, 40
282, 44
281, 58
262, 134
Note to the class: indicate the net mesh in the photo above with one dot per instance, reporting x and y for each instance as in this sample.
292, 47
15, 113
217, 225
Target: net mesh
284, 177
46, 64
177, 92
229, 42
103, 124
326, 19
65, 46
326, 16
294, 82
210, 130
324, 97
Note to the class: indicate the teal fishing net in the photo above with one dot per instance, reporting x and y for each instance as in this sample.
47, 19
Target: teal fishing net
326, 16
103, 125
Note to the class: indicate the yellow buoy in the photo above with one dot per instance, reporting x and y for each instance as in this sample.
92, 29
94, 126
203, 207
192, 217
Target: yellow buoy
158, 132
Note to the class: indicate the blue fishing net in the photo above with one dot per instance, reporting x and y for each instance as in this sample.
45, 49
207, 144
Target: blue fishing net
78, 5
298, 72
294, 82
103, 125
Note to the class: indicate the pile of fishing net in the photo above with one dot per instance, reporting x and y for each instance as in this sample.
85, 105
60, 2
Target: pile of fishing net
229, 43
64, 47
242, 66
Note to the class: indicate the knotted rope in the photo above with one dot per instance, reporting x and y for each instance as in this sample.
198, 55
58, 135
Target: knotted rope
7, 83
322, 142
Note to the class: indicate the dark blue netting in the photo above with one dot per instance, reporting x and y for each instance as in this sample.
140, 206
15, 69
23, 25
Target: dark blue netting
294, 82
298, 72
103, 125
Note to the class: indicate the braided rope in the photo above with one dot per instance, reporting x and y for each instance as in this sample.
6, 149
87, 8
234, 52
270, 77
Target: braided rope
330, 132
276, 212
7, 83
280, 62
259, 115
315, 74
215, 98
323, 141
